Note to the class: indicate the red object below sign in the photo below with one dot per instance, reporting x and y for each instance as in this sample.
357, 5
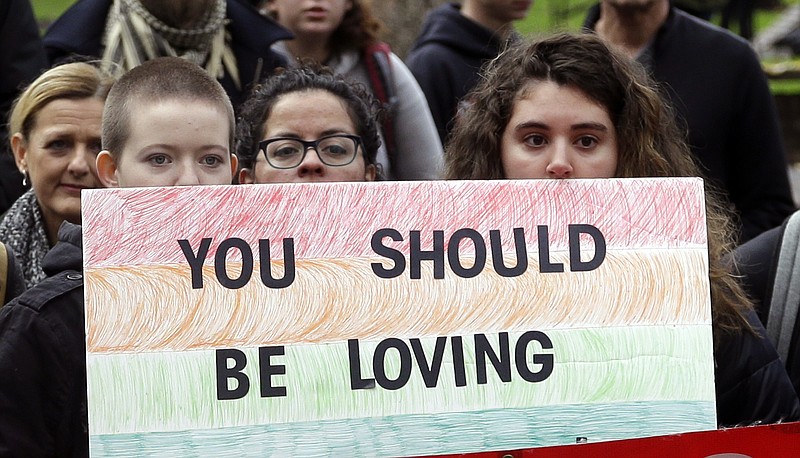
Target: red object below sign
781, 440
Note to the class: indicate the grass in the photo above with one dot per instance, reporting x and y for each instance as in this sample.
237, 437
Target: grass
550, 15
545, 16
48, 11
554, 15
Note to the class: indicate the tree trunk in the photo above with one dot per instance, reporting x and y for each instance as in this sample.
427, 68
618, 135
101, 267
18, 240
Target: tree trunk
403, 19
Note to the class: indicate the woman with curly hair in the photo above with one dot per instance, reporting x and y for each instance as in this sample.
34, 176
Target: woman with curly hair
568, 106
307, 125
343, 35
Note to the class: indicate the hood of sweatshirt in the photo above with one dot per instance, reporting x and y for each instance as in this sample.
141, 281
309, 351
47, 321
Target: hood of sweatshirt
447, 26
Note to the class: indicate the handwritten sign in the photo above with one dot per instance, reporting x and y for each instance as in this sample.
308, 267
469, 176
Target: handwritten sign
395, 318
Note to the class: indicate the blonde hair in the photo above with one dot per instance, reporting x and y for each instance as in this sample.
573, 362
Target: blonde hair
76, 80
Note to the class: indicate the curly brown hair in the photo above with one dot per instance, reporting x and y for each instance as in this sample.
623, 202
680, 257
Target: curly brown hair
650, 143
360, 104
360, 28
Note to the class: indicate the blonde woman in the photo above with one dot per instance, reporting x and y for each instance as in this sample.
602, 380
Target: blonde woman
54, 131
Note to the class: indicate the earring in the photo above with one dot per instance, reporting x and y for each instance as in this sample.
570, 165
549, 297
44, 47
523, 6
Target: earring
25, 178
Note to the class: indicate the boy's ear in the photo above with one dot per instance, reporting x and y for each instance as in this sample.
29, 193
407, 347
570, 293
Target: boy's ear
234, 165
107, 169
370, 173
246, 176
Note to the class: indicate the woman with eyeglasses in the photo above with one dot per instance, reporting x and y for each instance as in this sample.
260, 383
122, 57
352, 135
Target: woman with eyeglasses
344, 35
307, 125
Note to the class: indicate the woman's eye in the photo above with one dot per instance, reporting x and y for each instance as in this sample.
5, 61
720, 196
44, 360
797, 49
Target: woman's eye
212, 161
158, 159
95, 147
336, 150
286, 151
535, 140
587, 142
57, 144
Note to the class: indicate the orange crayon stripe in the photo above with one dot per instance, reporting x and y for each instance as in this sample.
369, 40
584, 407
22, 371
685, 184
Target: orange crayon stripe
154, 308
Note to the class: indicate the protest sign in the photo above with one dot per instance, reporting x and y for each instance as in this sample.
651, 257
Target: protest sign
395, 318
776, 440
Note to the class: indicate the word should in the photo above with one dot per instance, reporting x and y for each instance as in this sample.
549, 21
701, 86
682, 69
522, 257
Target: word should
437, 255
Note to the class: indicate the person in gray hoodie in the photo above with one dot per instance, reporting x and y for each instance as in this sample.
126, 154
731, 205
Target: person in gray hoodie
455, 41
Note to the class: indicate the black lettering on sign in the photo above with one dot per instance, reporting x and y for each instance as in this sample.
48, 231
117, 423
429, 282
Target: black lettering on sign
198, 258
396, 352
436, 255
224, 373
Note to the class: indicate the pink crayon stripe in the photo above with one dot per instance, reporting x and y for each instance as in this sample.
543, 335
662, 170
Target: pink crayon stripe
337, 220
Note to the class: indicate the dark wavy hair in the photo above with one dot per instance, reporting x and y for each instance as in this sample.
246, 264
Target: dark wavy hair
650, 143
361, 106
648, 139
359, 29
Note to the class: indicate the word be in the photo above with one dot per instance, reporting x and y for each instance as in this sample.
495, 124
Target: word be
266, 371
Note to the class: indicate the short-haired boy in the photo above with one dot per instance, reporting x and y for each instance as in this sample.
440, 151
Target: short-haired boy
165, 123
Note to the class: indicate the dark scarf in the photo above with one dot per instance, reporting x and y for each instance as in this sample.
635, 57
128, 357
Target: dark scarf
22, 229
133, 36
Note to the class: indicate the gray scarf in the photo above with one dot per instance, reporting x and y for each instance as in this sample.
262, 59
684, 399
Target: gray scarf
133, 36
22, 229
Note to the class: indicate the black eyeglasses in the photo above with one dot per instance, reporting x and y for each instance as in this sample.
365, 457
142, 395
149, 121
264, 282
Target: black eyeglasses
333, 150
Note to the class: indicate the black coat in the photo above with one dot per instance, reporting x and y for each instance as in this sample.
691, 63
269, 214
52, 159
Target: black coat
751, 383
21, 60
80, 29
715, 81
757, 263
43, 360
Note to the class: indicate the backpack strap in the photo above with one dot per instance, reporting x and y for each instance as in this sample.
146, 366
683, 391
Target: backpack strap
3, 273
378, 60
785, 301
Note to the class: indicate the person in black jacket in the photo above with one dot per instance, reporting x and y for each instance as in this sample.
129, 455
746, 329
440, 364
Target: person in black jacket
229, 38
183, 121
567, 107
770, 274
456, 40
715, 81
12, 284
22, 58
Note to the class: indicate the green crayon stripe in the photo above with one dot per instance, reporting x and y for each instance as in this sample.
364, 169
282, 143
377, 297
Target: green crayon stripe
146, 392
